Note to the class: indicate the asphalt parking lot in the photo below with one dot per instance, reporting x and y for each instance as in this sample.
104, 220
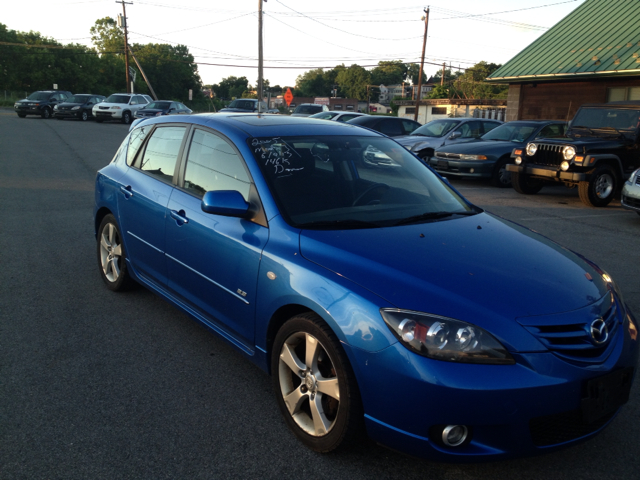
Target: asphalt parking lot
108, 386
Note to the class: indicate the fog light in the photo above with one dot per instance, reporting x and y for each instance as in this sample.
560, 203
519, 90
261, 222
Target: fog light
471, 170
454, 435
564, 166
518, 160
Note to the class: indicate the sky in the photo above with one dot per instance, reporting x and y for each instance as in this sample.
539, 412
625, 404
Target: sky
300, 35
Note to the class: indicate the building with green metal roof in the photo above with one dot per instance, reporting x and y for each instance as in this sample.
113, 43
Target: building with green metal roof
590, 56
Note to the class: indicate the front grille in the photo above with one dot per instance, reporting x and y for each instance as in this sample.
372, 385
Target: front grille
637, 179
573, 341
630, 201
563, 427
548, 154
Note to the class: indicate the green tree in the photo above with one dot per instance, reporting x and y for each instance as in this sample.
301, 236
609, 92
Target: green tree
471, 84
312, 83
449, 76
440, 91
353, 81
389, 73
413, 73
107, 36
231, 87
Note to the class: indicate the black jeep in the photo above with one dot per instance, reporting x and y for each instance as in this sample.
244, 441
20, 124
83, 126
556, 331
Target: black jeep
600, 150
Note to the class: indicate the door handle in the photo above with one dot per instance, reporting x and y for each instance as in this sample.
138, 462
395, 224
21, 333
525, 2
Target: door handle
179, 217
126, 191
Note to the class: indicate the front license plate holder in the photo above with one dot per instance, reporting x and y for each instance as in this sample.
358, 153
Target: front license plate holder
604, 395
442, 165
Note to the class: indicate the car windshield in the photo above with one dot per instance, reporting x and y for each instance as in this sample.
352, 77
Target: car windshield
38, 96
618, 118
511, 132
308, 109
78, 99
243, 104
436, 128
159, 105
118, 99
325, 115
341, 182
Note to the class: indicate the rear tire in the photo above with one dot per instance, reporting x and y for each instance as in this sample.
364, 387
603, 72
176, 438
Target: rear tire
523, 183
112, 258
46, 113
600, 189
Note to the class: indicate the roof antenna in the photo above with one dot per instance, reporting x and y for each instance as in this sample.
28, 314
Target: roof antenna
568, 111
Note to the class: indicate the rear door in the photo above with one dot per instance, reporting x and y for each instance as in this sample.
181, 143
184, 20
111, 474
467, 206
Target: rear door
144, 194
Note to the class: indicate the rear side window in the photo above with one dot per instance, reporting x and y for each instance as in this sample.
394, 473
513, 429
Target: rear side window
213, 164
161, 152
389, 127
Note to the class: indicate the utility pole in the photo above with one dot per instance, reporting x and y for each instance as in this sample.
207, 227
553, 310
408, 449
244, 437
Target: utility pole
424, 46
442, 79
260, 53
126, 42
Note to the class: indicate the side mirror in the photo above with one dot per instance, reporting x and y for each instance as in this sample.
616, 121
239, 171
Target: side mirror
229, 203
171, 110
455, 135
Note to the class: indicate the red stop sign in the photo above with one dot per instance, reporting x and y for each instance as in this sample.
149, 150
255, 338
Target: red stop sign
288, 97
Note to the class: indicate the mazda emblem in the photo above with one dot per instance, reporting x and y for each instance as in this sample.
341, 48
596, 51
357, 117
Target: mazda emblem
599, 331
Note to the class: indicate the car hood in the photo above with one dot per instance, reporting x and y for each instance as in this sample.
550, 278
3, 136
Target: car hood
244, 110
151, 110
605, 142
481, 146
409, 141
481, 269
105, 104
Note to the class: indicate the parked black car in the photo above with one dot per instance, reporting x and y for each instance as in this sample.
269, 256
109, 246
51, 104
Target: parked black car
40, 103
161, 107
599, 153
390, 126
77, 106
488, 156
245, 105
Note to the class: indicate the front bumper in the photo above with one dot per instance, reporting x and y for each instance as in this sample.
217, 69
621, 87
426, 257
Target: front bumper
516, 410
35, 110
67, 113
631, 197
549, 173
463, 168
107, 114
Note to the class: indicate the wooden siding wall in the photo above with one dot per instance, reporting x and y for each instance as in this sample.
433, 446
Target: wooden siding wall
559, 101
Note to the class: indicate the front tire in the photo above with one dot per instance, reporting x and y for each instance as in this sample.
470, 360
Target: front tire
501, 178
111, 256
315, 385
126, 118
523, 183
46, 113
600, 189
84, 116
22, 115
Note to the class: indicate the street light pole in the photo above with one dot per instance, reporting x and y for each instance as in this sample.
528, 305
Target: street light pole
424, 46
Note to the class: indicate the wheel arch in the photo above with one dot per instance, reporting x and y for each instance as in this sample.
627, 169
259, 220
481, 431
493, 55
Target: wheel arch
612, 160
99, 216
278, 319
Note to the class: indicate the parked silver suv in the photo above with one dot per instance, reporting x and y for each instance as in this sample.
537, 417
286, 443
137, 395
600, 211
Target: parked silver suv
119, 106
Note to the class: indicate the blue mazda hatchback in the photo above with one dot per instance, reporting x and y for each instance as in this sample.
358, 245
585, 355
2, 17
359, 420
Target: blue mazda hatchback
378, 299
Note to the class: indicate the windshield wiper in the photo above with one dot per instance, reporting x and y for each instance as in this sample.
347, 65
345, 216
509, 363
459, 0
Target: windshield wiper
432, 216
349, 223
583, 127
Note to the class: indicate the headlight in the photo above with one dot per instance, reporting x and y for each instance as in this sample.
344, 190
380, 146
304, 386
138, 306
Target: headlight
115, 108
75, 108
444, 338
473, 157
16, 105
55, 107
531, 149
158, 114
568, 152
